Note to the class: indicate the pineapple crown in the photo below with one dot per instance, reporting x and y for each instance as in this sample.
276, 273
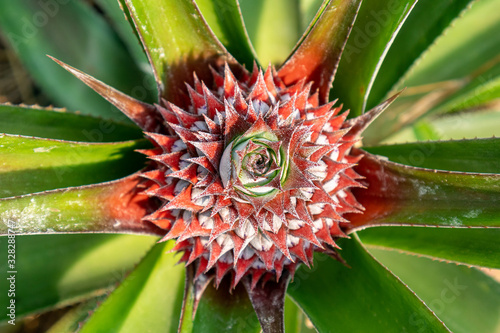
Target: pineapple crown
253, 175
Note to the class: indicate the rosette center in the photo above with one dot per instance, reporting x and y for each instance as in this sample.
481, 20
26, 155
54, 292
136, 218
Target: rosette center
253, 165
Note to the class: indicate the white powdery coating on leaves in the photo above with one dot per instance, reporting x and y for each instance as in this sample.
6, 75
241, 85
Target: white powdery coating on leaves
37, 214
43, 149
473, 213
31, 218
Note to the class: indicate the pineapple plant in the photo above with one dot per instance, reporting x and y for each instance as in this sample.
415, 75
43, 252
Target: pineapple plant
252, 166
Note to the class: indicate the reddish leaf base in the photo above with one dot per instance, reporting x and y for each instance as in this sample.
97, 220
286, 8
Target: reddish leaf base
125, 206
268, 300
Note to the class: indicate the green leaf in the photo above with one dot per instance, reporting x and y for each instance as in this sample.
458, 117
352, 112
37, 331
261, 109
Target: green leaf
461, 70
457, 126
116, 206
148, 300
474, 91
143, 114
468, 45
465, 299
190, 300
308, 10
295, 320
478, 124
316, 60
34, 165
424, 131
71, 320
481, 155
376, 26
127, 33
177, 41
222, 311
482, 89
226, 21
411, 106
374, 299
273, 27
57, 124
463, 245
426, 22
57, 270
397, 194
73, 32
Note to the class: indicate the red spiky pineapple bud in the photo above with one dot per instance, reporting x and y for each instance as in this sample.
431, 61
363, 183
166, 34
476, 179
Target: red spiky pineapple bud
254, 175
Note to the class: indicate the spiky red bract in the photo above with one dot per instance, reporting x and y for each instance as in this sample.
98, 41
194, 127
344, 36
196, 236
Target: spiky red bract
253, 175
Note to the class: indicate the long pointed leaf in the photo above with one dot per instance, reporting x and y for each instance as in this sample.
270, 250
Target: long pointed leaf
401, 195
148, 300
316, 60
426, 22
474, 91
71, 321
226, 21
143, 114
114, 10
376, 26
177, 41
457, 126
451, 57
412, 105
107, 207
465, 299
57, 124
446, 71
481, 155
273, 27
57, 270
375, 300
478, 247
308, 10
73, 32
33, 165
